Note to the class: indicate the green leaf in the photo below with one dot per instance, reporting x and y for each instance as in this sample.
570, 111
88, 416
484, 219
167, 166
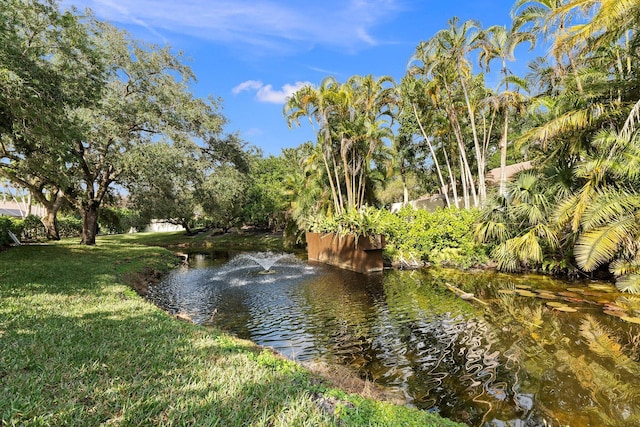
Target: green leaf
599, 246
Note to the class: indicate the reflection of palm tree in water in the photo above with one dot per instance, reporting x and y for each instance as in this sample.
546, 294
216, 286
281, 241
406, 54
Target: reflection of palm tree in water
471, 339
481, 364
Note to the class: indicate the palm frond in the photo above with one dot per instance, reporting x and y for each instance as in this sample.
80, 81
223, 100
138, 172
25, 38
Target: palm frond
570, 121
527, 247
564, 211
489, 231
600, 340
505, 257
629, 283
624, 266
583, 200
548, 235
606, 207
518, 81
600, 245
631, 124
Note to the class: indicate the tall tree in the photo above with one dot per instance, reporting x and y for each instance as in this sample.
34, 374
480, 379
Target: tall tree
455, 44
163, 183
319, 104
500, 43
353, 120
417, 117
147, 97
443, 62
49, 65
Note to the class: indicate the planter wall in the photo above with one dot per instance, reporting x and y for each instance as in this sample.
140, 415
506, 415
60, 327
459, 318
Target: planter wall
343, 252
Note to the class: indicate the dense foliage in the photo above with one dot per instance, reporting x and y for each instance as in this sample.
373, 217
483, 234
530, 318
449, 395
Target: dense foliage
118, 220
8, 224
353, 121
85, 107
83, 102
414, 237
577, 210
267, 197
443, 237
573, 118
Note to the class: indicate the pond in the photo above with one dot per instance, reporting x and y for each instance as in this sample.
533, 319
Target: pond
529, 351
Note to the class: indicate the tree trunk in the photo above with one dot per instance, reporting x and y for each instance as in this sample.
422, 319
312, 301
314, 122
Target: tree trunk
405, 190
89, 223
334, 193
480, 156
50, 222
433, 154
188, 230
503, 156
463, 180
347, 178
452, 181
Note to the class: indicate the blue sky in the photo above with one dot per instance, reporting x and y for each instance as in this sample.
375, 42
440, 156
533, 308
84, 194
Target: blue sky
252, 54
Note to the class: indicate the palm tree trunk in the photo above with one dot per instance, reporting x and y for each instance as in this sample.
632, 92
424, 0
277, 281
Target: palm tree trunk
345, 170
452, 181
463, 180
334, 194
337, 184
433, 155
405, 190
480, 156
503, 156
457, 132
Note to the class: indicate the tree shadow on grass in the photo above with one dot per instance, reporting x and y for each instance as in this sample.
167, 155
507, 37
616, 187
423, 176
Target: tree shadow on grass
141, 366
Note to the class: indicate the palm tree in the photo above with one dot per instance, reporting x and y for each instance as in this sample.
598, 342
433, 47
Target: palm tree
353, 119
545, 19
374, 104
500, 43
454, 44
611, 22
605, 212
413, 92
519, 224
318, 104
442, 63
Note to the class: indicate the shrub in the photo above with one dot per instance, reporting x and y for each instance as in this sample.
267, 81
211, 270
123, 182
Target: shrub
442, 237
69, 226
7, 224
33, 228
365, 222
119, 220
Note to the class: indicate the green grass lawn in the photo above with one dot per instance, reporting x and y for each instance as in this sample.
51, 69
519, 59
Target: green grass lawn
79, 347
176, 239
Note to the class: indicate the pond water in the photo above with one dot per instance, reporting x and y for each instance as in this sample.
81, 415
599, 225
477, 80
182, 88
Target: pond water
530, 351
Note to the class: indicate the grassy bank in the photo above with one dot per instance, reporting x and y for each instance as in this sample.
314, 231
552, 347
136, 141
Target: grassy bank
178, 239
79, 347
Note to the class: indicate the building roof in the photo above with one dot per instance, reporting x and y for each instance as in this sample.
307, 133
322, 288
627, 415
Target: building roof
10, 212
18, 210
493, 176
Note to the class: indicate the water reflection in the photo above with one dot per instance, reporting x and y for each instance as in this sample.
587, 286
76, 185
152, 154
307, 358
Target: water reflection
541, 353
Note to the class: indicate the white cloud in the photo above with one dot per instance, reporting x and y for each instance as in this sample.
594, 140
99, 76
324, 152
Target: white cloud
324, 71
267, 25
266, 93
248, 85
